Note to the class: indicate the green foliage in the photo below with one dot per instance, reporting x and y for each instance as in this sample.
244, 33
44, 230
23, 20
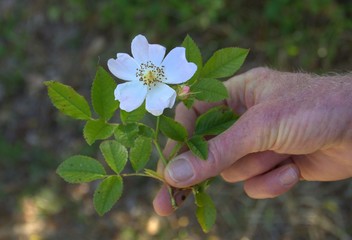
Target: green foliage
103, 94
194, 55
206, 211
215, 121
107, 194
146, 131
79, 169
198, 146
126, 134
140, 153
68, 101
210, 90
115, 155
139, 138
134, 116
97, 129
172, 129
224, 62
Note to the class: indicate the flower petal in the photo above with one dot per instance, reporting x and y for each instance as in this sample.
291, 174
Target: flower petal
131, 95
160, 97
177, 68
123, 67
156, 54
140, 49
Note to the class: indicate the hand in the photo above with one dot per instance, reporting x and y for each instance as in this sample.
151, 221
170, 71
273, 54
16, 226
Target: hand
292, 126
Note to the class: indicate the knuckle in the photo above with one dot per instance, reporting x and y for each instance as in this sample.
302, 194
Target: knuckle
261, 72
214, 161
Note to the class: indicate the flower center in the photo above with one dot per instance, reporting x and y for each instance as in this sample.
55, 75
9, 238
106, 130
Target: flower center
150, 74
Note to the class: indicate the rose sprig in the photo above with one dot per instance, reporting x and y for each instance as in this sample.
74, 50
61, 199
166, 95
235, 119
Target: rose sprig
153, 82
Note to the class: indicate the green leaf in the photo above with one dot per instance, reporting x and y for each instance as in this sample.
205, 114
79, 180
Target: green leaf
68, 101
140, 152
194, 55
134, 116
188, 102
210, 90
206, 211
224, 62
107, 194
126, 134
215, 121
115, 154
198, 146
172, 129
96, 130
103, 99
79, 169
146, 131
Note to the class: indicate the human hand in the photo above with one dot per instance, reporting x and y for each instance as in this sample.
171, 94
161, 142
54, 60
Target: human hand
292, 126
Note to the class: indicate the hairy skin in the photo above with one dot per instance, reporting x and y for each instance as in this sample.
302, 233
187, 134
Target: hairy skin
292, 126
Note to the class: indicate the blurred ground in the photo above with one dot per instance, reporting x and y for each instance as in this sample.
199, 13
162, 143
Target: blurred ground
65, 41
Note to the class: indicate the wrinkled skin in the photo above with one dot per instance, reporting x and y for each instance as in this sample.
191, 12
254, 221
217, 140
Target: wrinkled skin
293, 126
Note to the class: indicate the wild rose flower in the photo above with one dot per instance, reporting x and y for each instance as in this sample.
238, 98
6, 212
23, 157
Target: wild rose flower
147, 74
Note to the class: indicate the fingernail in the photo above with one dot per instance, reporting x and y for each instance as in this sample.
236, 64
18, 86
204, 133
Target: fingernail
288, 176
179, 170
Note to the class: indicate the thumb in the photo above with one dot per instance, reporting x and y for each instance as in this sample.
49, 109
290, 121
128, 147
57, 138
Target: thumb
251, 133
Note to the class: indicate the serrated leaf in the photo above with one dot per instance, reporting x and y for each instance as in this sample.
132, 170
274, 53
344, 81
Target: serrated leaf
206, 211
215, 121
146, 131
198, 146
194, 55
115, 155
126, 134
134, 116
224, 62
172, 129
140, 152
107, 194
210, 90
79, 169
97, 130
68, 101
102, 94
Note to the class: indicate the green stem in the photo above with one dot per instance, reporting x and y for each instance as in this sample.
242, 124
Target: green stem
160, 152
175, 150
134, 174
156, 143
157, 128
140, 175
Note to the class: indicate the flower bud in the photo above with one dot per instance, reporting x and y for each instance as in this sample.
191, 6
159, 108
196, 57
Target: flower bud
183, 92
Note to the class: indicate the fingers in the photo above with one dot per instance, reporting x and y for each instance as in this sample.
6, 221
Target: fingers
252, 165
249, 134
162, 202
272, 183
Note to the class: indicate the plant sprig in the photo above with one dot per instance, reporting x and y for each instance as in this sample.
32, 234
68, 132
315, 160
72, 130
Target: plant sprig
132, 141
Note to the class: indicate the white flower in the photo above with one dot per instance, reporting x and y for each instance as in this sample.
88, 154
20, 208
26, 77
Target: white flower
147, 75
